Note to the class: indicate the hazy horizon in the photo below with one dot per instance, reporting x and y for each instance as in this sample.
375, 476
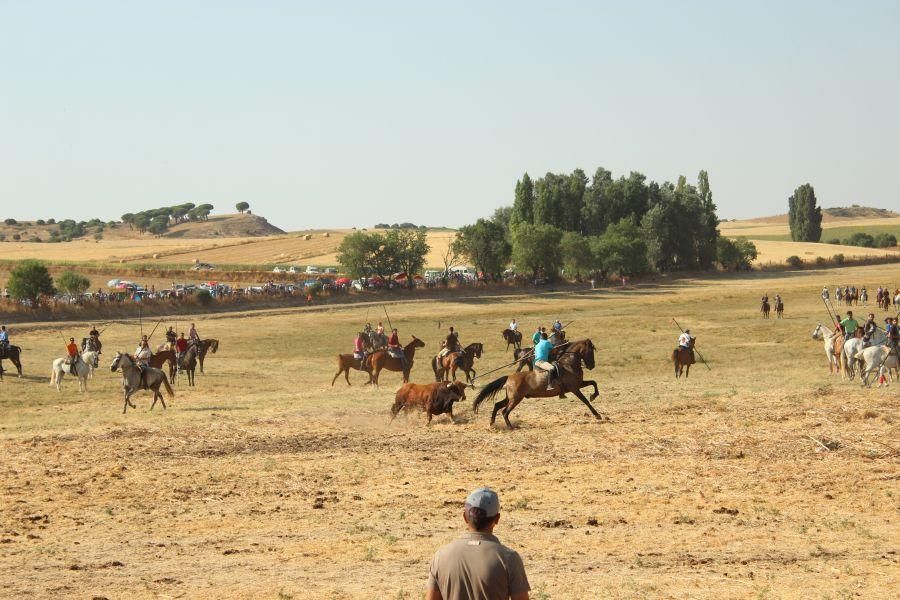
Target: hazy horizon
348, 115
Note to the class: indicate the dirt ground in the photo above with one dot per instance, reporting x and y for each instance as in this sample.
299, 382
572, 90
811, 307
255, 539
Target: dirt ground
266, 482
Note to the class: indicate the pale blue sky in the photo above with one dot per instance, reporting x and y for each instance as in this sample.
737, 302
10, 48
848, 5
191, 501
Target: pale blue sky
354, 113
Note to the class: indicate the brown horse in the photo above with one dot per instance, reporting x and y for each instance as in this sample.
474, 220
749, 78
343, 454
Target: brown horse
683, 358
208, 345
524, 356
11, 353
764, 308
779, 309
160, 358
534, 384
188, 364
383, 360
347, 362
445, 367
512, 338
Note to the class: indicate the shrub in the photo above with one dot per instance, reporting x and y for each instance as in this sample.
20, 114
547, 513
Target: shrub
2, 238
17, 237
838, 259
51, 221
204, 297
41, 222
98, 236
73, 283
794, 261
29, 280
821, 260
885, 240
11, 222
834, 241
860, 238
34, 239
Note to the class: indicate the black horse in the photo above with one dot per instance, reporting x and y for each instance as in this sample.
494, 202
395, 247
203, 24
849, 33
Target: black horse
11, 353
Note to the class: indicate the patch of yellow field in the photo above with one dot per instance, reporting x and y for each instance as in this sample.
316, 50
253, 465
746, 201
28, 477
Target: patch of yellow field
776, 252
779, 226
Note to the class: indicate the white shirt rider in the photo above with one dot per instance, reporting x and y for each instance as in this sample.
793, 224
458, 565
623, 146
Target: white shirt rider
143, 353
513, 325
684, 340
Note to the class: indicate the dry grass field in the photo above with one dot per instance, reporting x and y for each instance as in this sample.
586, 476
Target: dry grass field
266, 482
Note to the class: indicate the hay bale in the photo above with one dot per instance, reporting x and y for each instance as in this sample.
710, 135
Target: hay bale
156, 256
326, 234
307, 237
196, 260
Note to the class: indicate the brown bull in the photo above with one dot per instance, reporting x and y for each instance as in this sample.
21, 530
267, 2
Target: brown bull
433, 398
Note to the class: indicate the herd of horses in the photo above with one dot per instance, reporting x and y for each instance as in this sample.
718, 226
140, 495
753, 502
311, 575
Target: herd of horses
132, 381
765, 308
849, 356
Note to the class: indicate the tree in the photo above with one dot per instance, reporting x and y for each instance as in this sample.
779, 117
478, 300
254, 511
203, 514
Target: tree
523, 204
735, 254
621, 249
860, 238
242, 206
485, 245
159, 225
407, 249
72, 283
708, 232
141, 222
29, 280
355, 253
804, 216
885, 240
535, 248
578, 259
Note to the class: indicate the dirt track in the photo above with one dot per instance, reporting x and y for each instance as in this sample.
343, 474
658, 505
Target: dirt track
260, 487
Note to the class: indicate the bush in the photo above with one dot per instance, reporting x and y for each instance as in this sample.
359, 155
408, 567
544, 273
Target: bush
34, 239
98, 236
838, 259
11, 222
17, 237
204, 297
860, 238
834, 241
794, 261
51, 221
41, 222
73, 283
30, 280
821, 260
885, 240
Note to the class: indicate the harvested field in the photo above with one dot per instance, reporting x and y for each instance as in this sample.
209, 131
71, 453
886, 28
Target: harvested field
266, 482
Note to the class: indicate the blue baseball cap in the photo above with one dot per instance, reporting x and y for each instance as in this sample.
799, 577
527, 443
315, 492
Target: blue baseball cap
485, 499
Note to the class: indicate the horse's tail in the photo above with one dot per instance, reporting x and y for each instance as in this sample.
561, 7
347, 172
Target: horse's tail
489, 391
52, 375
169, 389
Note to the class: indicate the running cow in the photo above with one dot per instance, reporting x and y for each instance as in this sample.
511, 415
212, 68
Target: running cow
433, 398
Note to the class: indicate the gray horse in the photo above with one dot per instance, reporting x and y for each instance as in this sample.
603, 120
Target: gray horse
132, 380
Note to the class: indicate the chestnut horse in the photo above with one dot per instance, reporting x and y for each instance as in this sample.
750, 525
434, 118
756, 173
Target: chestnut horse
207, 345
347, 362
534, 383
160, 358
383, 360
683, 358
779, 309
445, 367
764, 308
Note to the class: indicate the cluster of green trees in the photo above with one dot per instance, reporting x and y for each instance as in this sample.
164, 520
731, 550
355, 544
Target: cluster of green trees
158, 220
30, 280
383, 254
861, 238
399, 226
804, 215
603, 225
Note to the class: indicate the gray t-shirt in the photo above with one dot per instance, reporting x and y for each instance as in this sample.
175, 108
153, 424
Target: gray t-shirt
477, 566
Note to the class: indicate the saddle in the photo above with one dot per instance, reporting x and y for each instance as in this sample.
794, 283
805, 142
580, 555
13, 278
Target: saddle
395, 353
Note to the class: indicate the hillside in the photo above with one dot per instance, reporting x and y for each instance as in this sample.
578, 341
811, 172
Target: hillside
215, 227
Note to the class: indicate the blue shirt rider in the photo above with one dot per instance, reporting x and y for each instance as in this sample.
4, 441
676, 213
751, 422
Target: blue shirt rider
542, 358
4, 337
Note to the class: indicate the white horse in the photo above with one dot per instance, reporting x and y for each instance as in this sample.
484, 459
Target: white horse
823, 333
877, 358
83, 369
852, 352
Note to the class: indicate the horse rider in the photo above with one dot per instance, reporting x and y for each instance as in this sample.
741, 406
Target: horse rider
380, 329
4, 339
536, 338
395, 349
765, 299
849, 325
513, 326
143, 355
542, 358
557, 326
171, 337
193, 336
869, 330
777, 299
73, 356
824, 293
181, 346
359, 347
450, 344
684, 342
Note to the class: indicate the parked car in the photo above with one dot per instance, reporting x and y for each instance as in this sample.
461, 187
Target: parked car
203, 267
293, 270
278, 270
330, 271
357, 285
312, 270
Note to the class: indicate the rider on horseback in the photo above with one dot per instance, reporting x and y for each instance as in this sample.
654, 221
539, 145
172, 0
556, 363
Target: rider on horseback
181, 346
450, 344
849, 325
193, 336
893, 335
171, 337
142, 356
542, 358
869, 330
513, 326
359, 347
394, 347
4, 339
684, 342
73, 356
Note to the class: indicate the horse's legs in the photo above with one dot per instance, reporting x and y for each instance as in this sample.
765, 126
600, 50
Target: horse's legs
687, 370
512, 404
587, 403
161, 399
497, 407
591, 382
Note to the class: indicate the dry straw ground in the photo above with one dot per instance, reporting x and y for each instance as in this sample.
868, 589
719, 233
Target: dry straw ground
264, 482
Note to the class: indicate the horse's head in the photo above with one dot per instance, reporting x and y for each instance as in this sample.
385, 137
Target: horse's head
213, 346
817, 331
587, 354
477, 349
416, 343
115, 363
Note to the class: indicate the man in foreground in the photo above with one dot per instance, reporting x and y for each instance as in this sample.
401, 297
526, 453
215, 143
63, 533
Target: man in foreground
477, 565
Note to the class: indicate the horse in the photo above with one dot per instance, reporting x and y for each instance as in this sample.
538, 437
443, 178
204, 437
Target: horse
132, 381
187, 364
764, 308
779, 309
90, 343
375, 341
833, 345
433, 398
534, 383
683, 358
349, 361
83, 370
557, 337
208, 345
850, 355
383, 360
523, 356
162, 357
445, 367
13, 354
512, 338
877, 358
